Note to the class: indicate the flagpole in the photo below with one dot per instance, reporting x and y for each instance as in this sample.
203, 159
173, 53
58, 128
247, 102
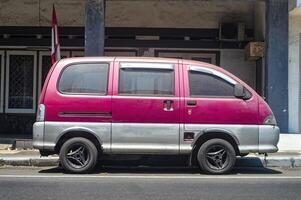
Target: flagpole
55, 43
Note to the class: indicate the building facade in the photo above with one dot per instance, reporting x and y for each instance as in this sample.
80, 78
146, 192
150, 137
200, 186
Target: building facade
215, 31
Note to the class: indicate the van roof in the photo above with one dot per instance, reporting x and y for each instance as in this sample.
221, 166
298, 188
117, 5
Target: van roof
137, 59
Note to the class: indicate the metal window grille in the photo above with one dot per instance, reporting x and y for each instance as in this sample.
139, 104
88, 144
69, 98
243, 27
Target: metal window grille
20, 92
21, 69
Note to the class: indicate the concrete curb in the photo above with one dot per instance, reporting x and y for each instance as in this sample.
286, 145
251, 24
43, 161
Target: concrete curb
262, 161
283, 162
26, 161
252, 161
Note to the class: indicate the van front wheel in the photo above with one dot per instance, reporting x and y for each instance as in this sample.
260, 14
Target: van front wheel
216, 156
78, 155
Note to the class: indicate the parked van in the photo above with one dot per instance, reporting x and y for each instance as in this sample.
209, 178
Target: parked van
90, 107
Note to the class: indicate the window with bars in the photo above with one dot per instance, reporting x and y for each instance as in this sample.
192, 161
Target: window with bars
20, 77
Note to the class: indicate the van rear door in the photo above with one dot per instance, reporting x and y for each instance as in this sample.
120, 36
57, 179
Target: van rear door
79, 95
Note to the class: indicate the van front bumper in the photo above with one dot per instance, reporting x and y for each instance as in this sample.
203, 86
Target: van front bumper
268, 138
38, 135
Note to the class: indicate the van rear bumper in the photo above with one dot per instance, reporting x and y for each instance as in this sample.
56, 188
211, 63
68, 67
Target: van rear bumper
38, 135
268, 138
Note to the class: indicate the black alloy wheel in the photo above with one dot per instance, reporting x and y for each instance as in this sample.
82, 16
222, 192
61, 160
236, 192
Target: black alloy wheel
216, 156
78, 155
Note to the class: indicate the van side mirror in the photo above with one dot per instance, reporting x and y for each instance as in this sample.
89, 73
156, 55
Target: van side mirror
239, 91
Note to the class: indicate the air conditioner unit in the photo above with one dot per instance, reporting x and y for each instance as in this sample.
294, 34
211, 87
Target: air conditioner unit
230, 31
254, 51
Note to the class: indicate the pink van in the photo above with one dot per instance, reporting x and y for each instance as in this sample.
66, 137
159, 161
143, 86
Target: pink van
90, 107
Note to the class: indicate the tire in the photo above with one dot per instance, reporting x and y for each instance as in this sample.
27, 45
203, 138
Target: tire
78, 155
216, 156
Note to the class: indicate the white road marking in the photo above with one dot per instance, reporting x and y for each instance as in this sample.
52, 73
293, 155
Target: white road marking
150, 177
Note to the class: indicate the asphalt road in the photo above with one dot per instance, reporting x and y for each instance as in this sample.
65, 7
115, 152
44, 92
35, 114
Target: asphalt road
149, 184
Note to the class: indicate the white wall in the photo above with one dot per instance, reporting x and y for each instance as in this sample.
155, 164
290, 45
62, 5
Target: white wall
129, 13
180, 13
293, 70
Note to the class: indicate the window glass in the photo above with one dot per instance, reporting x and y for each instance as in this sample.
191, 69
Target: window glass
146, 81
203, 59
204, 84
46, 65
85, 78
21, 76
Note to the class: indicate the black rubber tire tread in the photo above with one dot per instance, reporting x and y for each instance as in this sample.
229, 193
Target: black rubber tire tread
92, 151
201, 156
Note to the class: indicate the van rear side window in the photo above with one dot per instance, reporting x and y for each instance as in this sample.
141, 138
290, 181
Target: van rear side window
85, 78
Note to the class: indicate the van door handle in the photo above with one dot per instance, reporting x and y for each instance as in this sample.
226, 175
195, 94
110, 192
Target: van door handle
191, 103
168, 105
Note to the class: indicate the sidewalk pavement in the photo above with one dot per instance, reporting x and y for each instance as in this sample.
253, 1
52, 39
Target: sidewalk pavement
289, 143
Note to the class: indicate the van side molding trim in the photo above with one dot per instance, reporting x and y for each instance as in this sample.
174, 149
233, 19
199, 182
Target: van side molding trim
85, 114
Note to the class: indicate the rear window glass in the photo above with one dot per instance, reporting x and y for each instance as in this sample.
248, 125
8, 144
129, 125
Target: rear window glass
146, 81
84, 79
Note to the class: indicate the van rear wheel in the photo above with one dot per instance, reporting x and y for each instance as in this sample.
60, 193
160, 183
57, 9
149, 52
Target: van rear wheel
216, 156
78, 155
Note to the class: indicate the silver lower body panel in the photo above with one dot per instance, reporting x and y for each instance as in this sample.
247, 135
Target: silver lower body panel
140, 138
145, 138
54, 130
246, 135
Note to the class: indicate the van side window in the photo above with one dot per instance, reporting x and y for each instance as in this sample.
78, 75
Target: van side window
204, 84
146, 81
84, 79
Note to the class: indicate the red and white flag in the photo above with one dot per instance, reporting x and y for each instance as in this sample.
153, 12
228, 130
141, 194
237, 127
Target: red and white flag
55, 43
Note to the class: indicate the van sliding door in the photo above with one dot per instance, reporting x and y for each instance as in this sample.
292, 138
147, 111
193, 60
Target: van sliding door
145, 108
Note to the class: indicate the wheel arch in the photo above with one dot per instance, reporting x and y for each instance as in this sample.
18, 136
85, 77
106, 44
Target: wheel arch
78, 132
213, 133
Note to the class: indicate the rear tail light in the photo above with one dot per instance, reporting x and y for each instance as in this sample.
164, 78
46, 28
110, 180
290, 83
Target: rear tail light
41, 113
